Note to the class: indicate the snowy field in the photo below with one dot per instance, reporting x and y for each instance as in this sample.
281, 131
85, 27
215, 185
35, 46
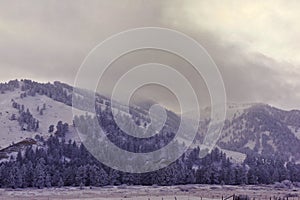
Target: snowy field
188, 192
55, 111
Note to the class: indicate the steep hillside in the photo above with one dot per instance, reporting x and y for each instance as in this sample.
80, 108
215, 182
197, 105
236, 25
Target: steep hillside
11, 131
263, 129
248, 129
30, 109
40, 144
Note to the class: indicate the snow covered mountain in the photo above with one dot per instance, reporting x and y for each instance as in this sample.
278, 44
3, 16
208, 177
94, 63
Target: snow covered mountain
28, 109
11, 131
263, 129
258, 129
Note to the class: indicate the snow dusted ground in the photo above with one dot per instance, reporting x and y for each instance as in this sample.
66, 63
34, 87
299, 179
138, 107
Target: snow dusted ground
234, 156
55, 111
10, 130
296, 131
187, 192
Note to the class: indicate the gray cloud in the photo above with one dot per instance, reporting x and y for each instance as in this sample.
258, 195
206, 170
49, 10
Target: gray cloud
47, 41
38, 38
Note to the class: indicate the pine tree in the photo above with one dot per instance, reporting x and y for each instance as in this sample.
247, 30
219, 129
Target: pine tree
51, 129
39, 175
60, 182
48, 180
11, 179
18, 176
81, 176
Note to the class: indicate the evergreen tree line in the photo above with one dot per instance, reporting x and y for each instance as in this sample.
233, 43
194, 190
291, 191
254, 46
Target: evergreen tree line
58, 91
9, 86
61, 129
256, 169
59, 163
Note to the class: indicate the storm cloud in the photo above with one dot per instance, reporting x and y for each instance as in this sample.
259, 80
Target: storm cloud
255, 44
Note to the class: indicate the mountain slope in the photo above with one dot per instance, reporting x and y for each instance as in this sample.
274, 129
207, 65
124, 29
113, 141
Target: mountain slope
248, 129
55, 111
263, 129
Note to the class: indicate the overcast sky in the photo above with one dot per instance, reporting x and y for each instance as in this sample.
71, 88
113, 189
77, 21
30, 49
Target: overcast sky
255, 44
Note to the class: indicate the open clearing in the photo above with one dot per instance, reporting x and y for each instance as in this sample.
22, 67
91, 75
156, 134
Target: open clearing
186, 192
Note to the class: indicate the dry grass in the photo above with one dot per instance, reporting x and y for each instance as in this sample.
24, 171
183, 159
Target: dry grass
187, 192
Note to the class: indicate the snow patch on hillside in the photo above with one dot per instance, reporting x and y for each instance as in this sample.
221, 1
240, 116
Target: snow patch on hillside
10, 130
55, 111
250, 144
295, 130
234, 156
235, 110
